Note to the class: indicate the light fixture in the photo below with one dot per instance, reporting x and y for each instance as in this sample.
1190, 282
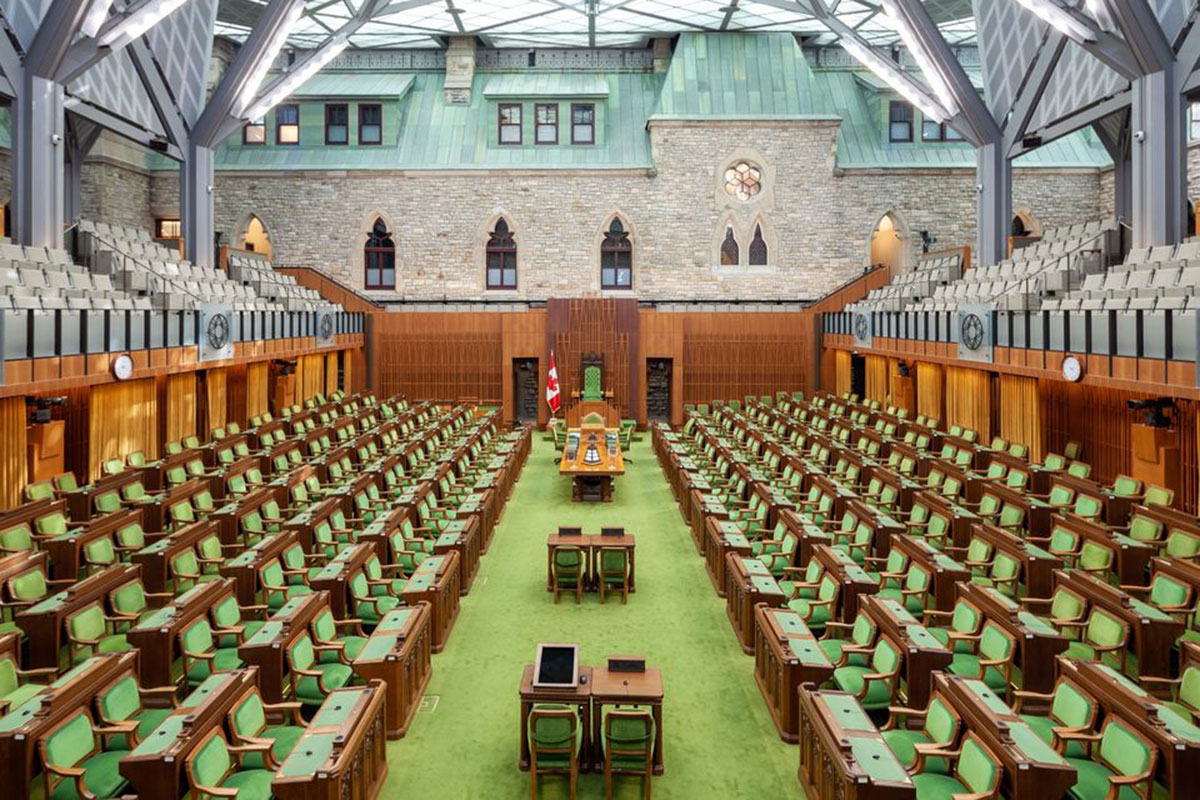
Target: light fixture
136, 21
893, 76
1059, 18
267, 58
95, 17
923, 58
294, 78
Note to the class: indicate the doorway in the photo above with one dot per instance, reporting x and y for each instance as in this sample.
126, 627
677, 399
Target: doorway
658, 389
525, 389
858, 376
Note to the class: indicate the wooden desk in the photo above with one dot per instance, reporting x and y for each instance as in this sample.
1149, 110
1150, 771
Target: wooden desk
66, 550
843, 755
267, 648
156, 636
1037, 565
399, 654
592, 459
723, 537
45, 622
1131, 558
23, 726
923, 654
307, 520
591, 543
748, 583
626, 689
1152, 633
1178, 746
243, 569
436, 581
335, 576
579, 696
1038, 642
946, 573
155, 559
786, 656
343, 753
704, 507
855, 581
155, 768
461, 535
1032, 768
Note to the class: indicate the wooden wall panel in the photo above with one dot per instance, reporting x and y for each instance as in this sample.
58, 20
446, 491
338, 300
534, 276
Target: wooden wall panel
844, 373
729, 355
523, 335
969, 400
607, 328
216, 382
310, 377
439, 356
660, 335
180, 406
235, 395
331, 373
258, 389
13, 465
1020, 413
878, 383
124, 418
930, 392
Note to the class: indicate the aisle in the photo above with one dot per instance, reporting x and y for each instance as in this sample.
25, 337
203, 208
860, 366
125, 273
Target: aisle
720, 742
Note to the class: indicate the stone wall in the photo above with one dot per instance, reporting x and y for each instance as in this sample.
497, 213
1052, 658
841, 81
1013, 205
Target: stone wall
115, 193
816, 220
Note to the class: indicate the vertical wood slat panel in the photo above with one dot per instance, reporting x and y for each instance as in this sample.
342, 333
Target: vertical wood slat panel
13, 467
843, 370
877, 379
181, 406
1020, 412
968, 400
258, 389
124, 418
930, 391
216, 382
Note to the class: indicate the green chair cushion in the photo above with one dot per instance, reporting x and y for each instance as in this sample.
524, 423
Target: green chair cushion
284, 740
850, 679
251, 784
101, 777
931, 786
334, 676
224, 660
902, 744
1042, 727
353, 646
1092, 781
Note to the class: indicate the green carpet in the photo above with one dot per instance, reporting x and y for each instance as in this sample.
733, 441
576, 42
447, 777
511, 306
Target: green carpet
719, 738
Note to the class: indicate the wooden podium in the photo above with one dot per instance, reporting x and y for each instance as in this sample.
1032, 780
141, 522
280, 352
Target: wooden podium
1155, 456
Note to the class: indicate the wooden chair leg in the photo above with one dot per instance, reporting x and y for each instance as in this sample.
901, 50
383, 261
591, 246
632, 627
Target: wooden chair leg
608, 783
533, 779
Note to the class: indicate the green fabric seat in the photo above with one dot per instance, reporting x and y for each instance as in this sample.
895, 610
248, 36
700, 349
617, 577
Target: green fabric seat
90, 633
940, 727
122, 702
1120, 751
975, 771
74, 744
211, 767
248, 720
275, 588
369, 608
862, 634
818, 611
994, 645
312, 681
227, 615
553, 733
201, 656
1105, 634
325, 632
875, 692
915, 591
1072, 709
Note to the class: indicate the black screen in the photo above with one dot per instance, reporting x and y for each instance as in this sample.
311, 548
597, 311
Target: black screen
556, 666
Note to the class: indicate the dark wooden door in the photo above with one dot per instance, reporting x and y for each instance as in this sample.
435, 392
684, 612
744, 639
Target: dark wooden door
525, 389
658, 389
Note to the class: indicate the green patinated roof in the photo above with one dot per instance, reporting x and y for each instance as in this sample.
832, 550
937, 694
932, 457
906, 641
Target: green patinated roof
740, 76
355, 84
545, 84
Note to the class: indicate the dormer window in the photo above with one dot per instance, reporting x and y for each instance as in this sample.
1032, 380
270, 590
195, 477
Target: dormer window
583, 123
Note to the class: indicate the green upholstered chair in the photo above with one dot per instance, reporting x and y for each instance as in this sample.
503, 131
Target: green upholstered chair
130, 602
214, 771
853, 651
296, 566
274, 587
98, 554
378, 577
1064, 609
235, 485
976, 556
18, 685
135, 493
16, 539
406, 552
128, 539
1003, 574
77, 762
228, 623
1184, 698
875, 683
202, 655
628, 745
1103, 634
940, 727
333, 645
820, 609
249, 727
857, 545
891, 570
23, 590
184, 570
777, 553
90, 632
802, 582
1121, 765
312, 680
1062, 542
613, 565
976, 774
1096, 558
566, 570
368, 607
121, 705
1079, 469
593, 384
914, 592
53, 523
1072, 712
106, 502
991, 661
39, 490
965, 624
1169, 595
555, 735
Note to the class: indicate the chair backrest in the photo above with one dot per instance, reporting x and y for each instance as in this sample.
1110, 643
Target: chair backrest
1124, 750
1072, 707
28, 586
129, 599
120, 700
87, 623
70, 742
552, 730
1105, 630
210, 763
977, 768
248, 718
941, 723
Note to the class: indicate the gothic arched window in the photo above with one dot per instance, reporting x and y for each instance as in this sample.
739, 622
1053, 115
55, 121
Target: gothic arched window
501, 257
730, 252
379, 258
616, 258
758, 249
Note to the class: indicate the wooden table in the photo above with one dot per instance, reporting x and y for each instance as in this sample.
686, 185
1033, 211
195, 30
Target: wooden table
592, 458
462, 535
786, 656
626, 689
723, 538
748, 582
398, 653
842, 753
591, 543
579, 696
436, 581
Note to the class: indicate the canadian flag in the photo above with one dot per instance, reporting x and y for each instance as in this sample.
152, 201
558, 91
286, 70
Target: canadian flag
552, 394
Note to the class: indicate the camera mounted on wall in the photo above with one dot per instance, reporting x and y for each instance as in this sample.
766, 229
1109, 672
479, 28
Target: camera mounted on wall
42, 406
1155, 409
928, 240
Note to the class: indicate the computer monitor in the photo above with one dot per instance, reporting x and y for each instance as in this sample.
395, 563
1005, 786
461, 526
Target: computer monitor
556, 666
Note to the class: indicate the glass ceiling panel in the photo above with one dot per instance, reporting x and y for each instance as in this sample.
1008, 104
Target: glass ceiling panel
567, 23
